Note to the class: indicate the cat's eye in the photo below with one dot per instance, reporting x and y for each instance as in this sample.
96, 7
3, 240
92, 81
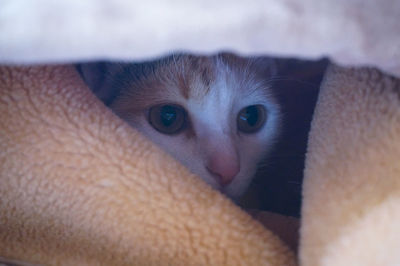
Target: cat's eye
251, 118
168, 119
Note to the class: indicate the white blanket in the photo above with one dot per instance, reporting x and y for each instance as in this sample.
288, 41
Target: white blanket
355, 32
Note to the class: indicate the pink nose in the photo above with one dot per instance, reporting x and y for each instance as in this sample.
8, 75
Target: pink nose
223, 167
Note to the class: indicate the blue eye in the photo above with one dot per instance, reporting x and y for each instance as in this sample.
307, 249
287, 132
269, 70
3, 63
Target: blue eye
251, 118
167, 119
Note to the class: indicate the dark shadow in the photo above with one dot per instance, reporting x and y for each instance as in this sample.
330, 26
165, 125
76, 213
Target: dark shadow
278, 183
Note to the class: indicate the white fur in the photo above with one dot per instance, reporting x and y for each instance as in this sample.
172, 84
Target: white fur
213, 119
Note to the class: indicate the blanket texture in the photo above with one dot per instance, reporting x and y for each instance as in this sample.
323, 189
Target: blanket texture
356, 32
351, 191
80, 187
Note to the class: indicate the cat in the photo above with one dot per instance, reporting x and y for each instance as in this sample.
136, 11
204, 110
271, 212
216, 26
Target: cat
216, 114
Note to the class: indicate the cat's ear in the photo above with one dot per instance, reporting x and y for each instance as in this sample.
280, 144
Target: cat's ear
99, 77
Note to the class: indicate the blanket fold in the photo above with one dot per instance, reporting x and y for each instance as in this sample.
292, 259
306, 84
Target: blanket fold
80, 187
351, 191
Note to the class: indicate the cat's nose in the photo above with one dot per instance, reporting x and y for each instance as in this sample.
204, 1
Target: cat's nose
223, 167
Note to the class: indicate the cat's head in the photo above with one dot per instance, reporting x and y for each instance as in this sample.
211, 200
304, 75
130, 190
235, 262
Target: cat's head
216, 115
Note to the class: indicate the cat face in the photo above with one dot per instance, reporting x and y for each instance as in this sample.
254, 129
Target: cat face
216, 115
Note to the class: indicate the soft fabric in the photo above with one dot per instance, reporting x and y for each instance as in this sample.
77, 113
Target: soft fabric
80, 187
355, 32
351, 208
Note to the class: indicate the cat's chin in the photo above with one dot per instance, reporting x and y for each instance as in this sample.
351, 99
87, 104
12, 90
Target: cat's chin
225, 192
233, 191
235, 197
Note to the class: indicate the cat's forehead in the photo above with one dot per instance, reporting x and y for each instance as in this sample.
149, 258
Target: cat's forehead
222, 79
191, 76
200, 77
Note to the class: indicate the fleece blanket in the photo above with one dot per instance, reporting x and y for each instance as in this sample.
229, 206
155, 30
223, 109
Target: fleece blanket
80, 187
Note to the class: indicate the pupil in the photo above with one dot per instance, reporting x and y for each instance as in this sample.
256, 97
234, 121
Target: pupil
251, 115
168, 115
